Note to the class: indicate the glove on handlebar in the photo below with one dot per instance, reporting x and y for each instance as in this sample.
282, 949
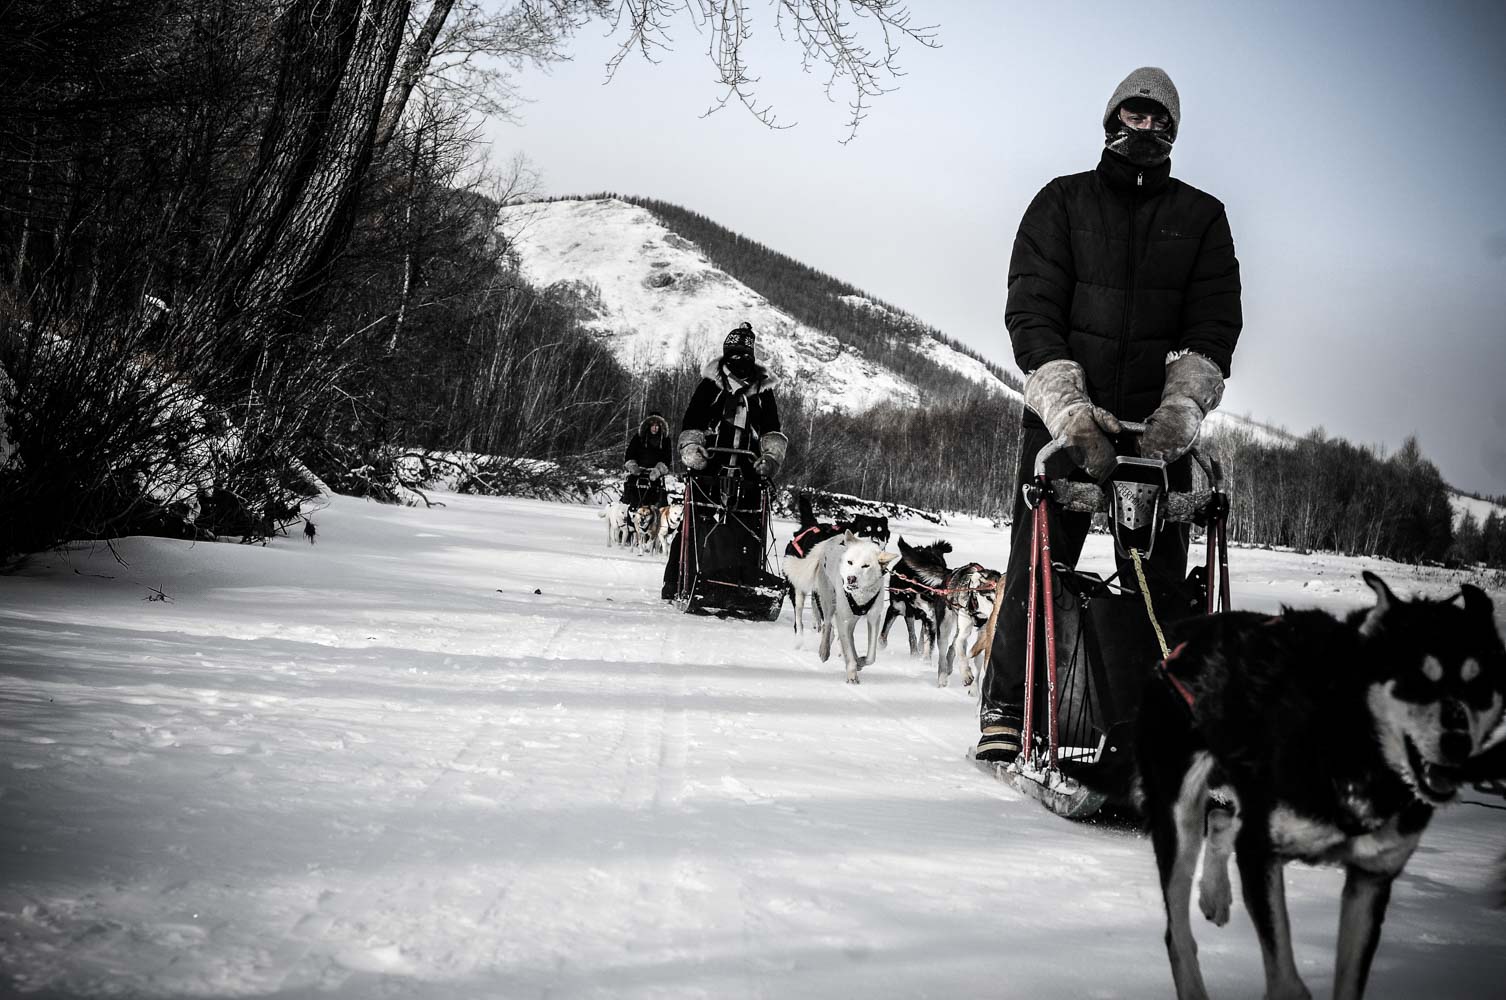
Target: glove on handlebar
1194, 387
659, 471
773, 447
1057, 392
693, 450
632, 467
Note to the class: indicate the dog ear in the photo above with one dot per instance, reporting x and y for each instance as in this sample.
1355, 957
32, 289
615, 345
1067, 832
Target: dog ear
848, 537
885, 558
1384, 600
1477, 602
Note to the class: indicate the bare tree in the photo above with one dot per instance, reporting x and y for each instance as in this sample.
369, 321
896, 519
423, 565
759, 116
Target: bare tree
857, 42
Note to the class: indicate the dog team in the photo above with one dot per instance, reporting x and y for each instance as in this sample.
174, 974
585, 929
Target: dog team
645, 519
1262, 739
852, 581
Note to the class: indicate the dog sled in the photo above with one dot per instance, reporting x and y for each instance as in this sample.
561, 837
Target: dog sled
1099, 637
725, 555
641, 489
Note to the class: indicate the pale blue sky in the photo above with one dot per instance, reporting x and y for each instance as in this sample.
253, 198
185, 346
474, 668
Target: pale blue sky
1359, 148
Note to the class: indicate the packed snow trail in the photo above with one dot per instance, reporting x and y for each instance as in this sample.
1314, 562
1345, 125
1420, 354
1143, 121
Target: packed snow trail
383, 766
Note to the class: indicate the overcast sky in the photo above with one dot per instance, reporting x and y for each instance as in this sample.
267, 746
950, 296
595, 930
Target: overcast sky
1360, 148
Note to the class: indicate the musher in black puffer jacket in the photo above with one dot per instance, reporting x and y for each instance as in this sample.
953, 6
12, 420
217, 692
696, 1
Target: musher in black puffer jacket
1123, 305
647, 456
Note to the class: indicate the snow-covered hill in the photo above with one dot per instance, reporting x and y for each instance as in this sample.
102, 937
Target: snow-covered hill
658, 300
1480, 510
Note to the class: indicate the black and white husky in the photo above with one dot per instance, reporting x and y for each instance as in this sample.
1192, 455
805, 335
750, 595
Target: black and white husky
1304, 737
916, 594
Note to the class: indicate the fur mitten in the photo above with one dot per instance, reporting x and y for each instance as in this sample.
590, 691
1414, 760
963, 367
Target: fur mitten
693, 450
773, 447
1194, 387
1057, 392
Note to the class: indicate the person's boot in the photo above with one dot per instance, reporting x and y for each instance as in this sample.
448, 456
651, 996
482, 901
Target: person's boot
1000, 740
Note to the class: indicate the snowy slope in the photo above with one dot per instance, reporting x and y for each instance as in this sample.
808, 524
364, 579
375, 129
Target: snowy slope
1479, 509
1247, 427
660, 300
942, 354
464, 752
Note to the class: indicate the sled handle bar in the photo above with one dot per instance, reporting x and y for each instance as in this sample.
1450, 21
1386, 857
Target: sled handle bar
1091, 498
734, 451
1210, 469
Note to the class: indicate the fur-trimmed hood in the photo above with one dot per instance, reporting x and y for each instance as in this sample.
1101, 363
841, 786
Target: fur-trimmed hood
653, 415
762, 378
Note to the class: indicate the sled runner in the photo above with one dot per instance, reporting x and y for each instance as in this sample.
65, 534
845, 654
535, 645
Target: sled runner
725, 561
1099, 637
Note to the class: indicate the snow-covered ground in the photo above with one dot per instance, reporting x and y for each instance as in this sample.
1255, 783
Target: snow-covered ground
466, 752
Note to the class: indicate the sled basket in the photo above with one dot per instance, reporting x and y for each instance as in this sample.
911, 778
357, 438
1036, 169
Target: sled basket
1106, 648
724, 550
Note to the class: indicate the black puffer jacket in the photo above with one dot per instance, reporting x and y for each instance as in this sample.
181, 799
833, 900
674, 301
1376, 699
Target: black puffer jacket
648, 450
1114, 275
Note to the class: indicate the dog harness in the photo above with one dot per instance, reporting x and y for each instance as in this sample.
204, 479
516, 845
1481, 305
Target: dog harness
861, 609
1176, 685
809, 538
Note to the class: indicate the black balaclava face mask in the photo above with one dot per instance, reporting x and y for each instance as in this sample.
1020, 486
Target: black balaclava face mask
740, 365
1142, 147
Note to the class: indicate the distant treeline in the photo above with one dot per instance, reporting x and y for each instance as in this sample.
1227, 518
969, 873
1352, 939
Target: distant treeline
1322, 493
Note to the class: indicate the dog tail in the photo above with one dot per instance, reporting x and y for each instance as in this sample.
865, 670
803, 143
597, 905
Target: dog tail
807, 516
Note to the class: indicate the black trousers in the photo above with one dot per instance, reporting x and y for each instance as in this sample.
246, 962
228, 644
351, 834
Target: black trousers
1003, 694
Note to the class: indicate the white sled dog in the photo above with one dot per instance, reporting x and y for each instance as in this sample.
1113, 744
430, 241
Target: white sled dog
802, 573
968, 608
619, 530
669, 521
852, 585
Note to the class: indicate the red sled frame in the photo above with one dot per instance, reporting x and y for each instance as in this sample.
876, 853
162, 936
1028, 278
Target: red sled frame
1038, 773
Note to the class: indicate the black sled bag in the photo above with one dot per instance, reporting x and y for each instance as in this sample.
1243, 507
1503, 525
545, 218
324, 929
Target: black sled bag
1106, 649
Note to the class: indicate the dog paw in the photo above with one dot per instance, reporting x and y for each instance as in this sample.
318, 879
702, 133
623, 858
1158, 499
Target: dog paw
1214, 900
852, 677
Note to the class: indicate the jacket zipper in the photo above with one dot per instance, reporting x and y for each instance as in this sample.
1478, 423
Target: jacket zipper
1129, 296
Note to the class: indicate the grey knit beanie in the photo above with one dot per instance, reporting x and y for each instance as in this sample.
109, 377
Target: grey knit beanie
1149, 82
